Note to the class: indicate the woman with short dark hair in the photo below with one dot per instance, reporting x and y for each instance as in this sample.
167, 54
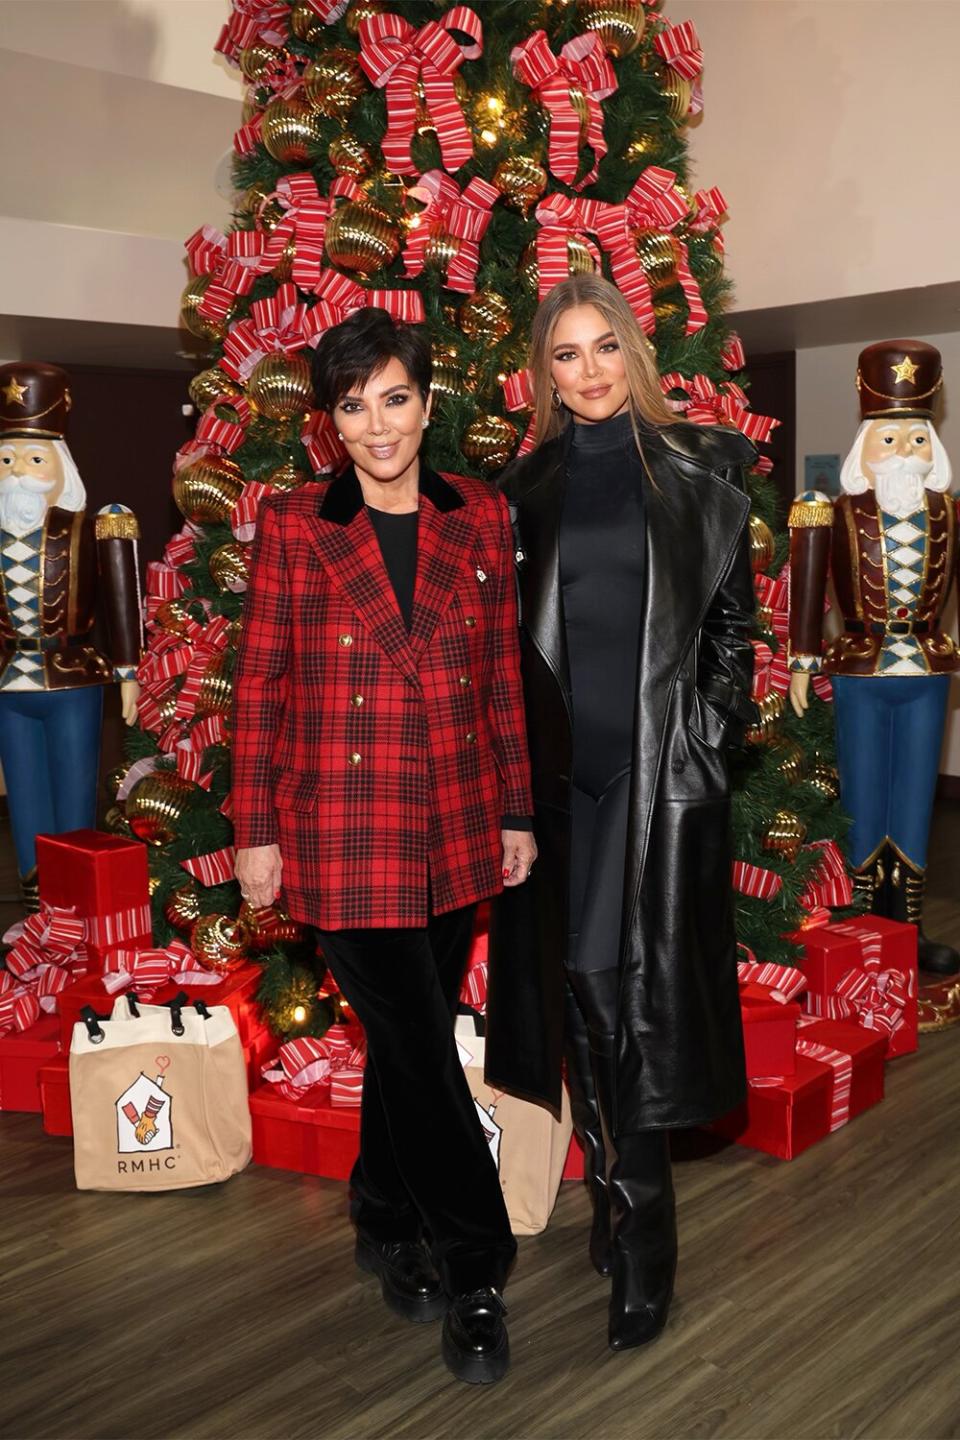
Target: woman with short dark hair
380, 774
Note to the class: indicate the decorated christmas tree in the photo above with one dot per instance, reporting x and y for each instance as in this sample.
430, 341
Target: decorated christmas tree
451, 164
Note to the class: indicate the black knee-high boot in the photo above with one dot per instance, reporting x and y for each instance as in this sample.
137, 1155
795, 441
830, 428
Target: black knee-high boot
586, 1121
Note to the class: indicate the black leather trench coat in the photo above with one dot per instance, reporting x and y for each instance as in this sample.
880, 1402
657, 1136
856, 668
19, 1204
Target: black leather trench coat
679, 1046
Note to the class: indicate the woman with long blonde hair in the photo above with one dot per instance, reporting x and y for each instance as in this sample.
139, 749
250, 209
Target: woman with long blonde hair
636, 597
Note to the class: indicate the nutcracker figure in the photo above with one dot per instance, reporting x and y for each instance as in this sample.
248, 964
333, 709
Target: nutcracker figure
59, 571
890, 541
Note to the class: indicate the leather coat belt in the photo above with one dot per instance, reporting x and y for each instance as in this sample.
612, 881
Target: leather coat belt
891, 627
46, 642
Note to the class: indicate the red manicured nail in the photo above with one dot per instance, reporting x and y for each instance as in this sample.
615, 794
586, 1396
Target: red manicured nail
506, 874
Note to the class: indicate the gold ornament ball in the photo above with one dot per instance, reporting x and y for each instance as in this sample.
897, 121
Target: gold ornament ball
155, 806
258, 60
228, 567
266, 212
206, 490
665, 312
334, 82
678, 91
349, 157
521, 182
790, 760
280, 386
579, 262
642, 148
306, 24
219, 942
485, 316
287, 477
196, 323
362, 10
619, 23
361, 238
216, 686
489, 442
447, 380
785, 835
761, 544
825, 779
292, 131
182, 906
211, 387
658, 253
116, 777
173, 616
770, 709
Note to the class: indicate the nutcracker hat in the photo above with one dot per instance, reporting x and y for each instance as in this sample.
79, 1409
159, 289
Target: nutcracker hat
899, 378
34, 400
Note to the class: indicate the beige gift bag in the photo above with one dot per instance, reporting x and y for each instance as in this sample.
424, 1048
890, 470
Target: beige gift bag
528, 1144
159, 1097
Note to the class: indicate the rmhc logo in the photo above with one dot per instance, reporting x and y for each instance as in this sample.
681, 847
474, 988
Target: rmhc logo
147, 1162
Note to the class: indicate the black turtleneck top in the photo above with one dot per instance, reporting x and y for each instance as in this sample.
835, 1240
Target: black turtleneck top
602, 563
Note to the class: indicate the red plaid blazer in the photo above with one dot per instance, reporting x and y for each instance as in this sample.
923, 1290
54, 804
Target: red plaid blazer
375, 758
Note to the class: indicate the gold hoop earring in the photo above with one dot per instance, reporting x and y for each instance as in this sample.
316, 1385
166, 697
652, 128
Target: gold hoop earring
555, 400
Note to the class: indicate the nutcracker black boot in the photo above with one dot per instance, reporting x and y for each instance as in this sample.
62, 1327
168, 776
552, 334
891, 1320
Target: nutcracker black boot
870, 883
643, 1224
907, 886
586, 1122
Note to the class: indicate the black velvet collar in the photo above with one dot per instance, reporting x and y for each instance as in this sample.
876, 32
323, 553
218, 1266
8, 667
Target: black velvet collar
342, 498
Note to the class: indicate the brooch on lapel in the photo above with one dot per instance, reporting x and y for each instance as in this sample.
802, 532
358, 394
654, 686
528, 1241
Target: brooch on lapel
481, 575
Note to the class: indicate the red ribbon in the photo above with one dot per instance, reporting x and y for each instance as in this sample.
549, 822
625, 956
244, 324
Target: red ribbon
753, 880
276, 325
518, 395
583, 63
705, 403
394, 54
463, 215
784, 982
875, 999
559, 218
654, 203
214, 868
733, 356
49, 950
680, 47
253, 20
774, 595
215, 436
304, 221
147, 969
308, 1062
830, 884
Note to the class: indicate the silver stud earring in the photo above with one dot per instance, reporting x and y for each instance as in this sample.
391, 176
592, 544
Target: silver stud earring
424, 423
339, 434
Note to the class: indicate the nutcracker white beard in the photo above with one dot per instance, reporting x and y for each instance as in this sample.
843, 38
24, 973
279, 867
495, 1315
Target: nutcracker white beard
23, 503
899, 483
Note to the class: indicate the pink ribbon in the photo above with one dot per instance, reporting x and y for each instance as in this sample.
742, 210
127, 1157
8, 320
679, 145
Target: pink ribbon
394, 54
463, 215
582, 63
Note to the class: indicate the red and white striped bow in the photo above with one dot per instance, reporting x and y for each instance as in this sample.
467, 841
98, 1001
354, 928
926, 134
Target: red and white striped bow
463, 215
304, 221
559, 218
654, 203
584, 65
253, 20
395, 54
215, 436
233, 261
279, 324
518, 395
680, 47
705, 403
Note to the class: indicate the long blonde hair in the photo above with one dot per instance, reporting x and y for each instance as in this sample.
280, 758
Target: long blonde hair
647, 402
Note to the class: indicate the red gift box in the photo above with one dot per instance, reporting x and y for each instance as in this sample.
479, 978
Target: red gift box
769, 1032
21, 1055
237, 990
309, 1134
573, 1167
103, 879
865, 970
54, 1078
839, 1074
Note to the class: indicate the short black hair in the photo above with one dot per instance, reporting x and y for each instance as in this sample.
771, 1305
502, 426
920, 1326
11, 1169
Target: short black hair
349, 353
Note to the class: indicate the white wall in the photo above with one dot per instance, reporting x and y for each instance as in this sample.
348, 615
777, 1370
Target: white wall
831, 127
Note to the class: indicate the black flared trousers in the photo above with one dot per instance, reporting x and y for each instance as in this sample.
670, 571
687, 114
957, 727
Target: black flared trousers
424, 1166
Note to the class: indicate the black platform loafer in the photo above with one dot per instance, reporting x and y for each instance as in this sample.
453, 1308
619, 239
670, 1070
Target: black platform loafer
408, 1280
476, 1347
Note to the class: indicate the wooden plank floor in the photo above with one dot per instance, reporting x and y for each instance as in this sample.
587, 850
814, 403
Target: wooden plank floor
814, 1299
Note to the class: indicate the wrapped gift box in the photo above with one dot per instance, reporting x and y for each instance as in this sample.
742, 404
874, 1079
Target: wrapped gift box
54, 1078
22, 1052
838, 1075
864, 970
573, 1166
103, 879
237, 990
307, 1134
769, 1032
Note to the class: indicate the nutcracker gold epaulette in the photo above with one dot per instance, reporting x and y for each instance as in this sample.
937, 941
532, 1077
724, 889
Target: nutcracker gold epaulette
810, 509
114, 523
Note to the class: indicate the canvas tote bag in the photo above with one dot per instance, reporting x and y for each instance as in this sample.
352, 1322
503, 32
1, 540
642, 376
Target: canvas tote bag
528, 1145
159, 1097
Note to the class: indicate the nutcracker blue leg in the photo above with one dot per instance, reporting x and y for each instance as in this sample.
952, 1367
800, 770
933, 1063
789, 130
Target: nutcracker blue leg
889, 738
50, 753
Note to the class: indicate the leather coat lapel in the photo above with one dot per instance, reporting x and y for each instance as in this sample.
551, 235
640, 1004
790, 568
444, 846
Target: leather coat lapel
541, 595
